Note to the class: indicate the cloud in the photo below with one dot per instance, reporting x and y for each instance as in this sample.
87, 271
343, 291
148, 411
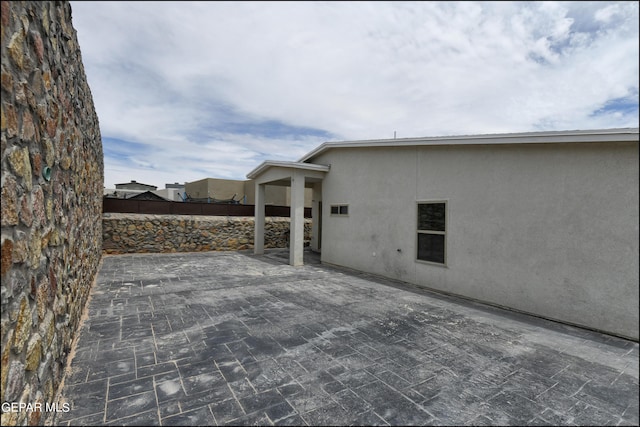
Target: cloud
211, 89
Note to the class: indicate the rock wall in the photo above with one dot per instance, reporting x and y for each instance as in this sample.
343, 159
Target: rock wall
52, 180
135, 233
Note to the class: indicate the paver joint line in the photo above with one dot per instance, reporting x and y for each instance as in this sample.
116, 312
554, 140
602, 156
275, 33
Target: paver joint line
233, 338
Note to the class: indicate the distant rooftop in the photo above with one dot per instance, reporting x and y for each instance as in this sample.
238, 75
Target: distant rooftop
135, 185
175, 185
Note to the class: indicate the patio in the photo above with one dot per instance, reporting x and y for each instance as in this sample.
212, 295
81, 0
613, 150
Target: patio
232, 338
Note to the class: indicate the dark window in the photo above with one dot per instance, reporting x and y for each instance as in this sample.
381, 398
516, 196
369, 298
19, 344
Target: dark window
431, 247
432, 223
339, 209
431, 216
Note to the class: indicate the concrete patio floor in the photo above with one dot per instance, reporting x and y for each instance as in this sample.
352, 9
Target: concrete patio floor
231, 338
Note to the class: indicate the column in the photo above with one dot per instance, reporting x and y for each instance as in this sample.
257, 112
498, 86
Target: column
258, 238
296, 234
316, 224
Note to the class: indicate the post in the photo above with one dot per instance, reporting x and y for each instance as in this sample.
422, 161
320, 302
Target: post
258, 238
317, 217
296, 235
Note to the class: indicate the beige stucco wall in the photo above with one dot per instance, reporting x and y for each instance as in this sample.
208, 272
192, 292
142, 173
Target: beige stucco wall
308, 193
273, 194
548, 229
215, 188
226, 188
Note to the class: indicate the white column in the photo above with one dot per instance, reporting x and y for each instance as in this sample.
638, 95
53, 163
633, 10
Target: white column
296, 234
317, 217
258, 238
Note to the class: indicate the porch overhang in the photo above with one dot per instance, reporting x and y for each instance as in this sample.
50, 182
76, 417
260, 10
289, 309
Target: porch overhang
279, 173
297, 175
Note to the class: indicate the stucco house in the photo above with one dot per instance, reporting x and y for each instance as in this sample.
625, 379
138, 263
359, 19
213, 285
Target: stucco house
135, 185
544, 223
209, 189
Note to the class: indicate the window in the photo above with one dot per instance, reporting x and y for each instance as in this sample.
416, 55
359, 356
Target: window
340, 210
432, 225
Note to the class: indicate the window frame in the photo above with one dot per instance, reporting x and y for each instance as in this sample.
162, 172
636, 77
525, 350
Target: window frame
432, 232
340, 207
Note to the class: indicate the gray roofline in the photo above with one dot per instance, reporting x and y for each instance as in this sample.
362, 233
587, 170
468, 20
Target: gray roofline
137, 183
292, 165
546, 137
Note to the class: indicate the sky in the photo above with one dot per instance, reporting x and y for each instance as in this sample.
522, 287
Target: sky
209, 89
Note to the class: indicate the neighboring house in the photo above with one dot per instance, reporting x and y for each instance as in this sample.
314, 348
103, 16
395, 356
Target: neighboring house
218, 190
147, 195
173, 192
134, 185
543, 222
121, 194
137, 190
213, 188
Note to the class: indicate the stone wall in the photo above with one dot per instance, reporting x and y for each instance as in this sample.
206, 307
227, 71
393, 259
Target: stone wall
52, 180
135, 233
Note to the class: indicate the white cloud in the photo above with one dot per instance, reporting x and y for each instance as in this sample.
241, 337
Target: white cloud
211, 89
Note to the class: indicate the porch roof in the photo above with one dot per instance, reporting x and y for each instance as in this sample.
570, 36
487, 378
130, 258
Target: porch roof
269, 164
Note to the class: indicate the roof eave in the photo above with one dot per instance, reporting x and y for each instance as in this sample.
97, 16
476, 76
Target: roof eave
290, 165
550, 137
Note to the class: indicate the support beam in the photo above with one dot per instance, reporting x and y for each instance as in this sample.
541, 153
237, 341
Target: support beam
296, 234
258, 238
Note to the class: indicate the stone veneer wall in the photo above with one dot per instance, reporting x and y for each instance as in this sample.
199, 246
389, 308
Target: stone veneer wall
136, 233
52, 181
